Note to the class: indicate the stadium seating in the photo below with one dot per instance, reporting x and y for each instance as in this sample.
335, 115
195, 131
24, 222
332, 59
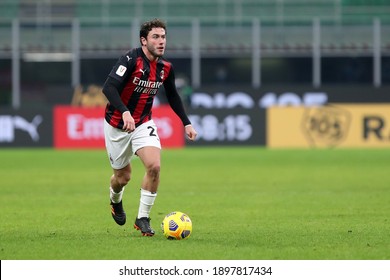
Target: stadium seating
9, 9
222, 10
285, 11
286, 25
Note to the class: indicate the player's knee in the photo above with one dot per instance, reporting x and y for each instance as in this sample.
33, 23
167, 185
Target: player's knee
123, 178
154, 171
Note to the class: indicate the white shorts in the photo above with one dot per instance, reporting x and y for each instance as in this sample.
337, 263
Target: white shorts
121, 145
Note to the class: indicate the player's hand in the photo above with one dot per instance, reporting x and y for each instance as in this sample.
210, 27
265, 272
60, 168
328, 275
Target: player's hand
128, 122
190, 132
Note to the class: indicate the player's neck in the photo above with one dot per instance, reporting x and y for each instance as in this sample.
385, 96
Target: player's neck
148, 55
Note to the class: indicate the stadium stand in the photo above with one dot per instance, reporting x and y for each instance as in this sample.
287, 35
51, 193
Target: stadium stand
286, 25
286, 11
9, 9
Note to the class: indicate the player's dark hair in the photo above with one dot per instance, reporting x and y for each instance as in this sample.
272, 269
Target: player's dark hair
147, 26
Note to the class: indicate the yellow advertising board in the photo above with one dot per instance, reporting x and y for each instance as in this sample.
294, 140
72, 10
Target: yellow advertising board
334, 125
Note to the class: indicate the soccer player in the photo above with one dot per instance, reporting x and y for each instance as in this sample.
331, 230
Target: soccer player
129, 128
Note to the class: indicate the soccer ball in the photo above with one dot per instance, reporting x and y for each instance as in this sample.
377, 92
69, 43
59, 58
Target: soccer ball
176, 225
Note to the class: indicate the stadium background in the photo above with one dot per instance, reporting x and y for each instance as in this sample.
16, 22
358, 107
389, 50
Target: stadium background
272, 77
249, 65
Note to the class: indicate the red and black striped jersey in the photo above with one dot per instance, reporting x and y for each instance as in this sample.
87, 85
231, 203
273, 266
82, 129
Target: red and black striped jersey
136, 80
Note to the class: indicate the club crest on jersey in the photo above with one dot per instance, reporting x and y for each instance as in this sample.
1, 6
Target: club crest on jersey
121, 70
162, 74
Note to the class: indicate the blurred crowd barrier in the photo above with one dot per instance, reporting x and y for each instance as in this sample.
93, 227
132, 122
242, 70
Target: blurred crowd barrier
332, 117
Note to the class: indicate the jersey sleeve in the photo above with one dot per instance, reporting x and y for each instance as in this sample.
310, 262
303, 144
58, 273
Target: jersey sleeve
174, 98
111, 91
117, 79
123, 67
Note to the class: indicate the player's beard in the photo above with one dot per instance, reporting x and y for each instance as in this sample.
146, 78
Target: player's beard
155, 51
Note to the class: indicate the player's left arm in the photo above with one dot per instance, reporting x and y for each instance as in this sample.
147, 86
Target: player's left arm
177, 105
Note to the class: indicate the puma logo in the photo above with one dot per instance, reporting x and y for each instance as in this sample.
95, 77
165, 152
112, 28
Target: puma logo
9, 124
143, 71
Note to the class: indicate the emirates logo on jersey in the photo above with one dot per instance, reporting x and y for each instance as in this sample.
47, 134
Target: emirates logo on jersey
162, 74
146, 86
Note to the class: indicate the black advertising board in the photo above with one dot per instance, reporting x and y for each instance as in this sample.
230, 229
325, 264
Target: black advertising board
228, 126
26, 128
223, 97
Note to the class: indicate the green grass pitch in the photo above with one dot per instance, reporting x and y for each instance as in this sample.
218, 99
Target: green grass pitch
245, 203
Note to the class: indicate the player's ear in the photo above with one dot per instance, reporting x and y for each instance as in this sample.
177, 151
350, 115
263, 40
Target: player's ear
143, 41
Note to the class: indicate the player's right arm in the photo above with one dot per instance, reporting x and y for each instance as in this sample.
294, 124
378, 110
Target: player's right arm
111, 90
114, 85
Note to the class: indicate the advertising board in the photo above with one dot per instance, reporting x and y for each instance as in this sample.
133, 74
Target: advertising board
26, 128
78, 127
335, 125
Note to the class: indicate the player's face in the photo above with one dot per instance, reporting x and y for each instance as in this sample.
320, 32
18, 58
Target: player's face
155, 42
